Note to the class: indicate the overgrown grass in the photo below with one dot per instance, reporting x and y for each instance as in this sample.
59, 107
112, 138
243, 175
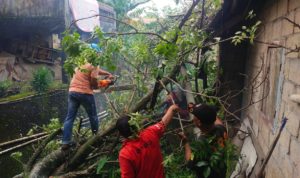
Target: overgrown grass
26, 90
56, 85
17, 96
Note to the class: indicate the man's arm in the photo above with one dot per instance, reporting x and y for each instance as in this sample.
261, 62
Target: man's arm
127, 170
103, 72
187, 147
97, 71
169, 115
159, 128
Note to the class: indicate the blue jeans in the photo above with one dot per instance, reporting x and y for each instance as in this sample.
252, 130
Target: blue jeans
74, 101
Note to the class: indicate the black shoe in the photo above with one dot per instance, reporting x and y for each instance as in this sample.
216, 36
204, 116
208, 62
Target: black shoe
65, 147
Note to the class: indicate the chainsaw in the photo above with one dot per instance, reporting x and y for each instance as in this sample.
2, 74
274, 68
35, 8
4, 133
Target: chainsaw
106, 82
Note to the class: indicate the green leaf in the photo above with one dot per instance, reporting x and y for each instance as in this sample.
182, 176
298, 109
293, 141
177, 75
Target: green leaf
30, 132
101, 164
16, 155
201, 164
206, 172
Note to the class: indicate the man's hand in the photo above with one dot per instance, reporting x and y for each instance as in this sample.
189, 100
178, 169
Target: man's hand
169, 114
187, 148
174, 108
111, 77
183, 137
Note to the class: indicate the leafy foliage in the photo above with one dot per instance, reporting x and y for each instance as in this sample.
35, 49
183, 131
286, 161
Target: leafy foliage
135, 123
246, 32
18, 157
4, 86
80, 53
211, 156
101, 164
174, 162
169, 51
53, 125
42, 79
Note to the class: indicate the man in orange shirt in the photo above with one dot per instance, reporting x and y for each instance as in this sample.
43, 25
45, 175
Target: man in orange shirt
81, 93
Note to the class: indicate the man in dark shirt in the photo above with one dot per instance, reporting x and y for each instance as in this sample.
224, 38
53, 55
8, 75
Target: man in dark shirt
213, 135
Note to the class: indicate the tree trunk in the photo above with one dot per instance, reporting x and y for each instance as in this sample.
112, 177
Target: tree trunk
54, 162
47, 165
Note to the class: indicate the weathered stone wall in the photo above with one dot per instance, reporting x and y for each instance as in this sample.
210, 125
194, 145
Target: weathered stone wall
13, 68
280, 73
17, 117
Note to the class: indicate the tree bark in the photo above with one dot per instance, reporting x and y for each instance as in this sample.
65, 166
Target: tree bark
47, 165
40, 149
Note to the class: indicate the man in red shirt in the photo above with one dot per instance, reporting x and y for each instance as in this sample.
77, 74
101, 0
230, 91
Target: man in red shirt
141, 157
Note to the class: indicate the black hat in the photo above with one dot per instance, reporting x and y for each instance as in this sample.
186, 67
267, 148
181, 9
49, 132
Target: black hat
205, 113
123, 126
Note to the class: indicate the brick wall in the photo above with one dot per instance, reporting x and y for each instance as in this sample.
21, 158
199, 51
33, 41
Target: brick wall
285, 160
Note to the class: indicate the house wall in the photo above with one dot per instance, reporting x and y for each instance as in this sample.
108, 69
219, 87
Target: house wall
25, 25
232, 65
19, 17
278, 76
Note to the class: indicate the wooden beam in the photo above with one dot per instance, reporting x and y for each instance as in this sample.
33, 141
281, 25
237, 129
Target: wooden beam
115, 88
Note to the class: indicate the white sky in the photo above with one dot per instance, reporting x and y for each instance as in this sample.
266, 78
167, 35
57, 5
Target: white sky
160, 4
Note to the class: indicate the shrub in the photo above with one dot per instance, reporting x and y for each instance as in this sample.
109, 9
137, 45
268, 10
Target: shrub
42, 79
4, 86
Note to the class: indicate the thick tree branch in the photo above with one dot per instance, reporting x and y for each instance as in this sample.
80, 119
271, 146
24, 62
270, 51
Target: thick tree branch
40, 149
97, 15
47, 165
136, 33
142, 103
185, 18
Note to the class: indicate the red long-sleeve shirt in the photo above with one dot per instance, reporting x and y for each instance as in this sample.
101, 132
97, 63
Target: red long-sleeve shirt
142, 158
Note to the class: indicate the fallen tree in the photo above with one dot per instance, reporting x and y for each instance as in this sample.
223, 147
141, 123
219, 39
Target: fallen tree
178, 47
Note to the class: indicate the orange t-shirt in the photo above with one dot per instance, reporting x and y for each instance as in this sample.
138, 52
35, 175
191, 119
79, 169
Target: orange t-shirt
81, 81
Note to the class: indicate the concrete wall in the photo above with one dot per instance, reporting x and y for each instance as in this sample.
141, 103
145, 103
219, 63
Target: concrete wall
31, 8
281, 75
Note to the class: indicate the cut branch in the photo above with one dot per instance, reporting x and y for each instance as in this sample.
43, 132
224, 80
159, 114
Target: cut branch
21, 145
22, 139
40, 149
